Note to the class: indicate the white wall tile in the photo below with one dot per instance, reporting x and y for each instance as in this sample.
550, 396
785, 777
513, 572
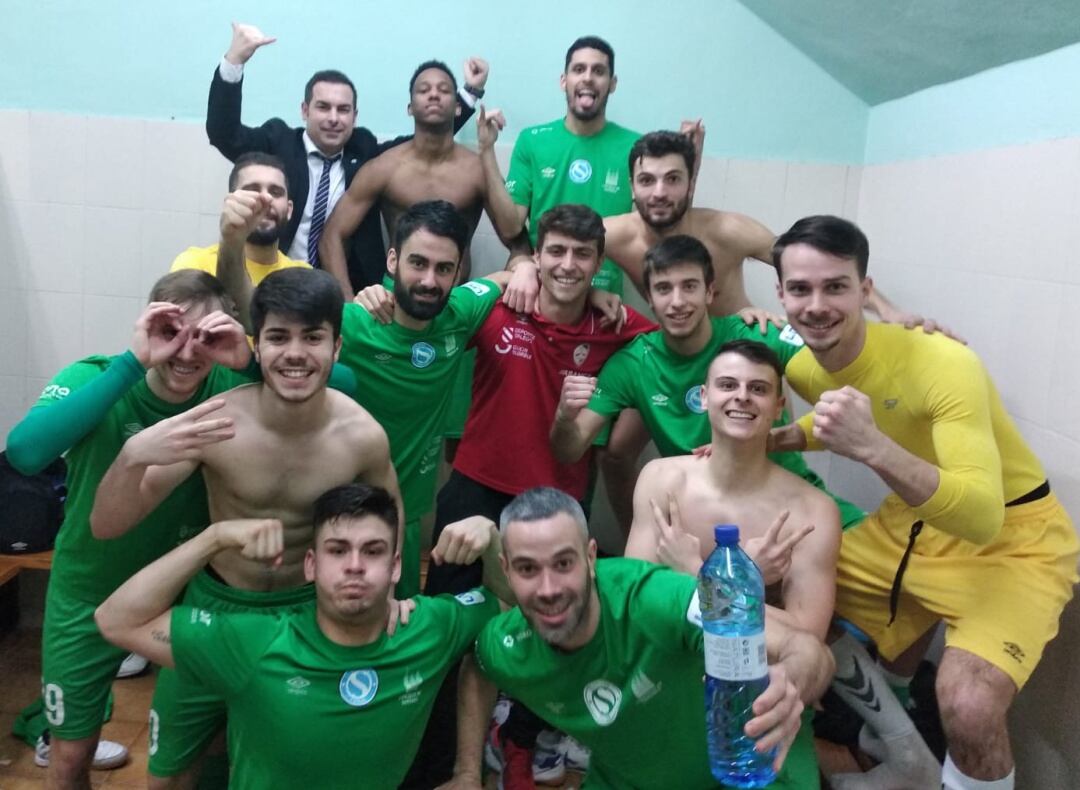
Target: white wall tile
13, 332
1029, 349
11, 404
58, 157
114, 162
32, 390
209, 231
108, 322
757, 190
14, 155
165, 234
488, 254
214, 172
113, 248
712, 175
54, 332
172, 166
852, 185
1064, 373
812, 189
54, 252
13, 261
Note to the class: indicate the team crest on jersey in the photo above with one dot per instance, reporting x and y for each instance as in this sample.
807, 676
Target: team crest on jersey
580, 354
480, 289
693, 400
790, 336
580, 171
470, 598
603, 699
358, 687
423, 354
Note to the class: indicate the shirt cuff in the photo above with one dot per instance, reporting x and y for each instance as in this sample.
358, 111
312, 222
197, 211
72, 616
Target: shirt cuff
230, 72
468, 98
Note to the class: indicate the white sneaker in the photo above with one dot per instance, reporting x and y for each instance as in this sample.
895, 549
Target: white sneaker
133, 665
548, 762
109, 754
577, 756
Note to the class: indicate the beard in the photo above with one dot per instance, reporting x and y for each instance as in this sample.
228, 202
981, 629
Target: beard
421, 311
576, 614
262, 237
678, 211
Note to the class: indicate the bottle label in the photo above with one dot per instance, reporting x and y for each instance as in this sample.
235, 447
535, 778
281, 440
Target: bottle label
735, 657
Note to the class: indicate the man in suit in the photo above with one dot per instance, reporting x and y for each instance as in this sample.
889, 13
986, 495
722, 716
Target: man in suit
321, 158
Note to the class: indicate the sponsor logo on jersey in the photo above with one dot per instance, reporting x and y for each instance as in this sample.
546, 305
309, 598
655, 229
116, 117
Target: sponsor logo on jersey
693, 611
580, 353
611, 181
508, 641
515, 340
412, 681
555, 707
890, 403
480, 289
548, 173
693, 400
470, 598
423, 354
358, 687
201, 617
1014, 651
790, 336
131, 428
298, 685
580, 171
382, 356
643, 687
507, 338
603, 699
659, 400
510, 184
55, 391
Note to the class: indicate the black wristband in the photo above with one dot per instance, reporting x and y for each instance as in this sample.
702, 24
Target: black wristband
474, 91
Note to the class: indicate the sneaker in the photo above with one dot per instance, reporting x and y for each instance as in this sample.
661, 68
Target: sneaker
133, 665
575, 755
109, 754
548, 761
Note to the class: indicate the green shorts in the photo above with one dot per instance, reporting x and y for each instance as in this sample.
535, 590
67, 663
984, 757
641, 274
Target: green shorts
460, 398
800, 770
184, 715
77, 666
409, 583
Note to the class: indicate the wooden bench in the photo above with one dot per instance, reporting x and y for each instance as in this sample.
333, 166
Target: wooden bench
12, 564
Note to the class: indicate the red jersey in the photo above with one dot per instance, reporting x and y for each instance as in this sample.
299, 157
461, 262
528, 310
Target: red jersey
521, 361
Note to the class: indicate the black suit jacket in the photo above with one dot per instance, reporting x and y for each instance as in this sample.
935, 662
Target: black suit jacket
364, 250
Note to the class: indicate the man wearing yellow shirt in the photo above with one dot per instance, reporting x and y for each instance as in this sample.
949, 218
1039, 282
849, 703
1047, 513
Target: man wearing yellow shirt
257, 186
970, 535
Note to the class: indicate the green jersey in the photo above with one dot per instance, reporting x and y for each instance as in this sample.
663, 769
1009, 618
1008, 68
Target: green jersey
83, 566
405, 378
643, 669
665, 387
291, 692
551, 165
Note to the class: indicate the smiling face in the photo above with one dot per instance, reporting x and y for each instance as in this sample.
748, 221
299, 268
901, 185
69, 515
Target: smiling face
295, 359
179, 378
353, 565
551, 569
741, 397
424, 270
567, 266
433, 103
680, 299
824, 299
661, 187
588, 82
329, 116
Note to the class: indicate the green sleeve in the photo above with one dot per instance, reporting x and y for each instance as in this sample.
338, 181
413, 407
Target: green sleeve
464, 615
665, 604
614, 386
473, 302
219, 650
519, 178
71, 406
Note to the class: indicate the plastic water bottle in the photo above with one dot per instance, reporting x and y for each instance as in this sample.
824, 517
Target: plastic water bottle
732, 596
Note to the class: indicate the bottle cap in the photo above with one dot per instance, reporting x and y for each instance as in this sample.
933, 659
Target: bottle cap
726, 534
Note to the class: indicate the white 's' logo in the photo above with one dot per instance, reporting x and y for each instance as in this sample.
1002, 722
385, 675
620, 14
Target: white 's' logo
358, 687
603, 699
507, 340
580, 171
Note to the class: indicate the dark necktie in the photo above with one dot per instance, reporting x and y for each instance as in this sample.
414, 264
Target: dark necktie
318, 213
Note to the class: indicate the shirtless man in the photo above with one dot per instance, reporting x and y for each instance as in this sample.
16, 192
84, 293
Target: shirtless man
661, 168
678, 500
265, 450
430, 166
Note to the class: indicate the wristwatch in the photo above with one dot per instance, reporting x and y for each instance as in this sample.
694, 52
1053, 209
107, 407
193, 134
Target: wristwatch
474, 91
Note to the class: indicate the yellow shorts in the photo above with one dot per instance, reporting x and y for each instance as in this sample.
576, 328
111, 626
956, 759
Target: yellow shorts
1001, 601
